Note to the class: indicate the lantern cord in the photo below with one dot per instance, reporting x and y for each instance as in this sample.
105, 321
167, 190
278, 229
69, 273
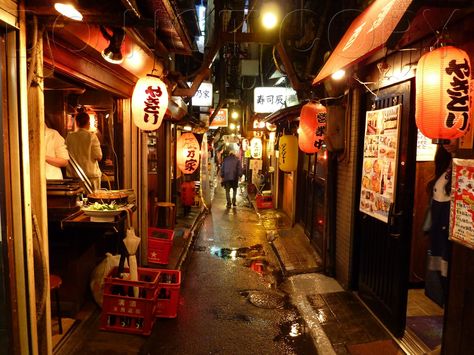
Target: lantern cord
449, 19
428, 22
365, 84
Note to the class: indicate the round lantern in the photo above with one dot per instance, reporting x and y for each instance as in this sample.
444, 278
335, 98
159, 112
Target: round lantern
288, 153
256, 148
442, 94
187, 153
312, 127
149, 102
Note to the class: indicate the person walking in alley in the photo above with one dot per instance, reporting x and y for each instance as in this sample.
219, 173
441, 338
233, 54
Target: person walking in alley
84, 146
231, 171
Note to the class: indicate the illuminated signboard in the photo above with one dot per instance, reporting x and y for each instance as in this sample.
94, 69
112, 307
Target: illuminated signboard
203, 96
220, 119
271, 99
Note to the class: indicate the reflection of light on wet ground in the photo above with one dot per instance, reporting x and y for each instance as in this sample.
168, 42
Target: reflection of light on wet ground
295, 330
233, 254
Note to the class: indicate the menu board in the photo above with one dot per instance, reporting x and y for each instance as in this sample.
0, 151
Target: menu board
380, 162
462, 203
425, 150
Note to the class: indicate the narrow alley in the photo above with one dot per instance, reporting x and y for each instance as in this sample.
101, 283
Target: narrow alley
230, 302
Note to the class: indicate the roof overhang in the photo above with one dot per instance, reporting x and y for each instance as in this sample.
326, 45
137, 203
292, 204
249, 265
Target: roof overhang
383, 22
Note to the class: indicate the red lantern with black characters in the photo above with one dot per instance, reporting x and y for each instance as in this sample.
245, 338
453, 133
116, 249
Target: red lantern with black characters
442, 94
312, 128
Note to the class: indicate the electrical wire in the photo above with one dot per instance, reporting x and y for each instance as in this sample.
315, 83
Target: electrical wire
365, 85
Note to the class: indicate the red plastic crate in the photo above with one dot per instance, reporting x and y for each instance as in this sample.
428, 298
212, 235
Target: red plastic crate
168, 293
160, 242
121, 311
264, 202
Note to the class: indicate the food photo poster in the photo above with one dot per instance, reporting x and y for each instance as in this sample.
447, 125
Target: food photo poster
380, 162
462, 203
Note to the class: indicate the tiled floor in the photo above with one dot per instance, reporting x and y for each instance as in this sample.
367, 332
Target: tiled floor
421, 305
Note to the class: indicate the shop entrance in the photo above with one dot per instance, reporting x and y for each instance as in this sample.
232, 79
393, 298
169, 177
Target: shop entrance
393, 246
312, 212
386, 197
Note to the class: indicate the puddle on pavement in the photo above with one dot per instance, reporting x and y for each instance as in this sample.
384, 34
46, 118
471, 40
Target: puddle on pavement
272, 219
266, 299
234, 253
295, 335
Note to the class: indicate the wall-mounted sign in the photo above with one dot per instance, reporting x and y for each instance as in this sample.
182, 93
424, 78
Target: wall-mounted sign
462, 203
379, 166
256, 148
425, 149
221, 119
271, 99
203, 95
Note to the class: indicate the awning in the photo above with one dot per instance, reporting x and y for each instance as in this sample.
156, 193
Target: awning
367, 33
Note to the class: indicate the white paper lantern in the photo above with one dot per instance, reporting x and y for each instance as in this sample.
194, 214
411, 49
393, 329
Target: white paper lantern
149, 102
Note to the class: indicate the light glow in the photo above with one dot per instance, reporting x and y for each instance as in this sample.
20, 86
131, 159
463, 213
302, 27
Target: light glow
68, 10
270, 15
341, 73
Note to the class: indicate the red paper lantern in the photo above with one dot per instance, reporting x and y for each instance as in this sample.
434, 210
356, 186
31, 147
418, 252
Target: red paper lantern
442, 93
149, 102
313, 119
188, 153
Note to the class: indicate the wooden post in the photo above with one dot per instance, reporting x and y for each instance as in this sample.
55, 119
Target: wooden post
37, 150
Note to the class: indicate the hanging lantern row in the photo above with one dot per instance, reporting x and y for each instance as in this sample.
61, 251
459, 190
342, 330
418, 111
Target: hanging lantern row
313, 118
149, 102
187, 153
288, 153
442, 94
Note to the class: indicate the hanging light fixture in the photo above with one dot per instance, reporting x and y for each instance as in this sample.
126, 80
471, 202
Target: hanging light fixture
188, 153
312, 127
288, 153
149, 102
113, 52
442, 94
68, 9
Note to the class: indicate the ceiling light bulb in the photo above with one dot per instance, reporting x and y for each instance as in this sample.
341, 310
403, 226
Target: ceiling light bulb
270, 14
339, 74
269, 20
232, 126
234, 115
68, 10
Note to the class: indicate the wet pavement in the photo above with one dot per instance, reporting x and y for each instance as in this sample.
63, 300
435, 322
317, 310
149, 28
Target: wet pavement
244, 292
230, 299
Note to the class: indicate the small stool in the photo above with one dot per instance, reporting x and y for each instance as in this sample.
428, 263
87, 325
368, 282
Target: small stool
170, 211
54, 284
